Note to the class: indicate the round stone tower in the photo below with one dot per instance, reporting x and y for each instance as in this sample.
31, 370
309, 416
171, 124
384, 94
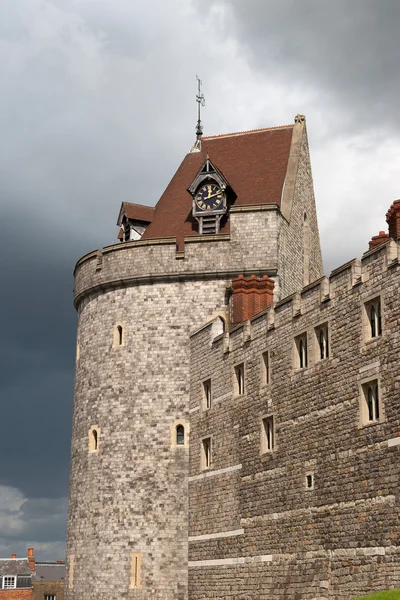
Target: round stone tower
235, 206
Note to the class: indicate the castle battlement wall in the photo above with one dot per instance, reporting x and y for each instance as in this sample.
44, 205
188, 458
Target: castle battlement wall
249, 248
310, 505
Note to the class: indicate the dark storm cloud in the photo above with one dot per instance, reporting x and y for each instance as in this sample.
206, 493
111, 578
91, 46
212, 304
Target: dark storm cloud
347, 51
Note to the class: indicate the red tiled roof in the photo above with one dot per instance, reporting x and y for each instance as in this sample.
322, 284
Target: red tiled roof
138, 212
254, 163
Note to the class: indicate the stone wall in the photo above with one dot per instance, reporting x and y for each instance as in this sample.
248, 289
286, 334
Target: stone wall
256, 530
45, 588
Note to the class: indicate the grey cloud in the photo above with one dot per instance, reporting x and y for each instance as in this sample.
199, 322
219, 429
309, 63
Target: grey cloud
346, 51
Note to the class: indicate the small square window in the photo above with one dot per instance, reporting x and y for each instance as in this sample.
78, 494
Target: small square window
206, 453
9, 582
373, 318
267, 434
301, 352
239, 380
322, 339
371, 409
207, 394
265, 368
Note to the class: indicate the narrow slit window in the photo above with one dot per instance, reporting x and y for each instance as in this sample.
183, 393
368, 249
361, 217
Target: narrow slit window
207, 394
267, 434
239, 380
119, 330
301, 352
265, 366
94, 436
206, 453
180, 435
136, 571
322, 335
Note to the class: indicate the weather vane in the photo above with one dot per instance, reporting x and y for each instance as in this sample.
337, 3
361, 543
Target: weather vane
201, 102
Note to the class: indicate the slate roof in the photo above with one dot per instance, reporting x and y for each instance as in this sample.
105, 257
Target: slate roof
50, 571
14, 566
253, 162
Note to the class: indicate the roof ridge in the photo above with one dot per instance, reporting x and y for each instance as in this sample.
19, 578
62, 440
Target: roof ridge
211, 137
136, 204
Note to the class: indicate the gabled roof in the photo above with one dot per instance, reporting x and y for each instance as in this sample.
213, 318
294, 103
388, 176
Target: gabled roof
254, 162
14, 566
136, 212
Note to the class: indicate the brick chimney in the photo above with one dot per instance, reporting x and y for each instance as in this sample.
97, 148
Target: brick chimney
13, 556
31, 559
378, 239
393, 220
250, 296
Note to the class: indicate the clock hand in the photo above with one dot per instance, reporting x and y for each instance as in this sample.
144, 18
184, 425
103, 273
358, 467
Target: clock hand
212, 195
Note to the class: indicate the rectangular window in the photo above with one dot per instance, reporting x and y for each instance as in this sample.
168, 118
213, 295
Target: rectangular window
207, 394
267, 435
309, 481
49, 597
301, 352
239, 380
9, 582
371, 404
206, 453
265, 366
322, 339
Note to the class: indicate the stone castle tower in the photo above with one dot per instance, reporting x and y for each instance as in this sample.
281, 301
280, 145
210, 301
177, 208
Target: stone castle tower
239, 204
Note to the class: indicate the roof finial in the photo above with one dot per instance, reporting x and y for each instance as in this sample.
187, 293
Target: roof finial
200, 102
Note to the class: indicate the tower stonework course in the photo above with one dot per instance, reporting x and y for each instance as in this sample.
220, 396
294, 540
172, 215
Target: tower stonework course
138, 302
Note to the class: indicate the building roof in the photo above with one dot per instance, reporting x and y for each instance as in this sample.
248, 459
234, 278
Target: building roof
136, 212
14, 566
50, 571
253, 162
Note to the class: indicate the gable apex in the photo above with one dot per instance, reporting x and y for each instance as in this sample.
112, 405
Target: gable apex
208, 171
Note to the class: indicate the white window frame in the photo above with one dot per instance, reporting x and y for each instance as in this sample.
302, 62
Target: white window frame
50, 597
9, 587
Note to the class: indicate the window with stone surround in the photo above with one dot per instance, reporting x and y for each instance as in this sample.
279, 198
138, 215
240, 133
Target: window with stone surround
238, 381
119, 336
372, 318
265, 368
49, 597
94, 438
136, 571
206, 453
180, 435
267, 434
322, 342
309, 481
207, 394
370, 409
9, 582
301, 351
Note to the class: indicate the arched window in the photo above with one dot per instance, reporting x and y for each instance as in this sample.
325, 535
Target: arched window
180, 435
94, 437
94, 434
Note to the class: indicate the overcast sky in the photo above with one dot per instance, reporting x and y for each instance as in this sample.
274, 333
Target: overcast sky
97, 106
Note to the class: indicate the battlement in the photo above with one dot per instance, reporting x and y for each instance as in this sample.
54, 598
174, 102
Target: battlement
365, 275
251, 243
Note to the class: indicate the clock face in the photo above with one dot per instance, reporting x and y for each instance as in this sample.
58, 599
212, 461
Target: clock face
209, 197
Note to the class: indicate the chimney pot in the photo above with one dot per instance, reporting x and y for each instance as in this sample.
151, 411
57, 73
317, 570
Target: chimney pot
13, 556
